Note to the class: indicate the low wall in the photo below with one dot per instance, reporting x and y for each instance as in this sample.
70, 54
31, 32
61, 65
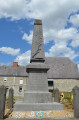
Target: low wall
65, 84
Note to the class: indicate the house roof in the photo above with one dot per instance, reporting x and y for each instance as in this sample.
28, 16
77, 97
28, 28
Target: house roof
13, 71
61, 67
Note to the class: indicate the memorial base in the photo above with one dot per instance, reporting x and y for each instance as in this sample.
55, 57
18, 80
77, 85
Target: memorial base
21, 106
37, 97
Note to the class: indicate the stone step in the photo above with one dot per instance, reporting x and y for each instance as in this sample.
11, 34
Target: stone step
21, 106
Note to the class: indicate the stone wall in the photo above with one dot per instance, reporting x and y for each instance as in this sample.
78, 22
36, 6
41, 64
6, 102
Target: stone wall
65, 84
14, 82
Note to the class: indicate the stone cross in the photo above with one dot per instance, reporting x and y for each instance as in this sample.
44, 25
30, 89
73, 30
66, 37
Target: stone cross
2, 101
10, 100
76, 101
56, 95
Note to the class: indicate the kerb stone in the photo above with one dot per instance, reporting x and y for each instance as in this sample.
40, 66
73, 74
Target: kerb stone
56, 95
2, 101
10, 99
76, 101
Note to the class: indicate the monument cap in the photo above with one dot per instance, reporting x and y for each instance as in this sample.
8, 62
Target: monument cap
37, 22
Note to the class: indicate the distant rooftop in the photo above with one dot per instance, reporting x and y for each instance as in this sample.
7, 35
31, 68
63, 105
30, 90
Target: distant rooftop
60, 67
13, 71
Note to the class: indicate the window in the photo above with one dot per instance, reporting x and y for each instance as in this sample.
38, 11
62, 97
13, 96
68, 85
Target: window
50, 84
5, 79
20, 88
21, 81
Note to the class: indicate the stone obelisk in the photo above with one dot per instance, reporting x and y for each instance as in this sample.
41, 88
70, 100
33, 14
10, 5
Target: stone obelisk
37, 85
37, 96
37, 52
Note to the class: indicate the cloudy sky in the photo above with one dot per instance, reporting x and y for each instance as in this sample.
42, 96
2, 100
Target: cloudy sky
60, 29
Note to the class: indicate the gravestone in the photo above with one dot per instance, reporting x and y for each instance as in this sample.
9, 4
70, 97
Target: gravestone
56, 95
37, 96
2, 101
76, 101
10, 99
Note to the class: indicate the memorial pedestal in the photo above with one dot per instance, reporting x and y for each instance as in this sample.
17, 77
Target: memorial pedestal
37, 96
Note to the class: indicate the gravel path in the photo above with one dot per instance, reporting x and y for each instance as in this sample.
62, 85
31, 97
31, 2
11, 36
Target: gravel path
41, 114
46, 119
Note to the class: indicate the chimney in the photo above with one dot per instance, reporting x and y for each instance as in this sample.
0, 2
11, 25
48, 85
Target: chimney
15, 64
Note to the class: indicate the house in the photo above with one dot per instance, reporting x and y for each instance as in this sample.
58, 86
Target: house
63, 73
15, 77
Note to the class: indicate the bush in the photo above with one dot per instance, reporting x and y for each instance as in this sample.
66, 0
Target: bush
13, 100
68, 97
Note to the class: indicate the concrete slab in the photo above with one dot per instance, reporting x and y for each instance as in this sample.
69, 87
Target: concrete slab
21, 106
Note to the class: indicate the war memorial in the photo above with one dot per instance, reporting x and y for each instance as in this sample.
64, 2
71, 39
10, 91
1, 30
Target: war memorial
37, 96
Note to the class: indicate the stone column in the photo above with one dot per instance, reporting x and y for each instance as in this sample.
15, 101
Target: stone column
10, 99
56, 95
76, 101
2, 101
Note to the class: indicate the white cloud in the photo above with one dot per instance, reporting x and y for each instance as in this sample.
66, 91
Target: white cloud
75, 42
53, 13
60, 35
28, 37
56, 35
16, 9
74, 19
10, 51
61, 38
61, 49
23, 59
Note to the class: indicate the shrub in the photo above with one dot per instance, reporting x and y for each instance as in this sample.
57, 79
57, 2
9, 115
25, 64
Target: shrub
68, 97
